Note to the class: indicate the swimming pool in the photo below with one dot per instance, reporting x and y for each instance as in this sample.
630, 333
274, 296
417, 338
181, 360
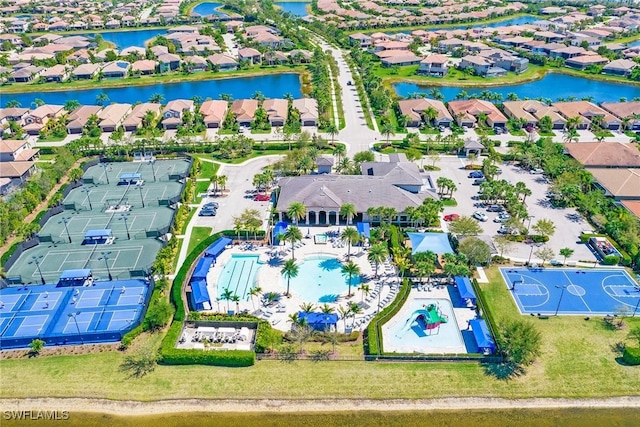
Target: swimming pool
239, 275
403, 334
320, 279
320, 239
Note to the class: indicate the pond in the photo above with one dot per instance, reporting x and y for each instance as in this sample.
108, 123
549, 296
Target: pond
552, 86
272, 86
520, 20
127, 38
294, 8
206, 9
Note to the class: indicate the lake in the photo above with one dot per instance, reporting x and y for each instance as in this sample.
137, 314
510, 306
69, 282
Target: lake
205, 9
294, 8
634, 44
552, 86
520, 20
578, 417
128, 38
272, 86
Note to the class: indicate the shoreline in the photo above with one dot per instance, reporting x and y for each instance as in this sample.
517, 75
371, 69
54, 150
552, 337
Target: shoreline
138, 408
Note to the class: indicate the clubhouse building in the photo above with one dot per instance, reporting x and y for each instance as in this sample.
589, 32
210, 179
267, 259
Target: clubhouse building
396, 184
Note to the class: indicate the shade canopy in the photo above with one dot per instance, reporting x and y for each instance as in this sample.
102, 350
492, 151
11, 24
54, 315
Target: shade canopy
319, 321
102, 233
437, 243
280, 228
217, 247
129, 176
465, 288
202, 268
78, 274
364, 229
199, 294
482, 335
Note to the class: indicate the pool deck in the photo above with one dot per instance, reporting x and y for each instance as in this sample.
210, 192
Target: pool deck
269, 279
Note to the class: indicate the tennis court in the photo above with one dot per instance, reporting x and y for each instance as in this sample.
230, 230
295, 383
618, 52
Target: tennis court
102, 312
103, 197
572, 291
163, 170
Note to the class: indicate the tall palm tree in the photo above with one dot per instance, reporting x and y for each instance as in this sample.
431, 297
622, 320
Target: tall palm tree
377, 254
348, 211
296, 211
226, 296
350, 269
351, 236
254, 292
339, 151
365, 289
235, 298
344, 312
307, 307
289, 269
292, 235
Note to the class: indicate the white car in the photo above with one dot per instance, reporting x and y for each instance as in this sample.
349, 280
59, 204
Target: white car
480, 216
503, 217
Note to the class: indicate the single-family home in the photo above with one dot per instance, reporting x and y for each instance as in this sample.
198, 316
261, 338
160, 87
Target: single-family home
196, 63
116, 69
26, 74
308, 109
213, 112
168, 62
135, 119
363, 40
627, 112
13, 114
435, 65
85, 71
112, 116
620, 67
481, 66
244, 111
222, 62
38, 118
57, 73
79, 117
277, 110
401, 58
144, 67
173, 112
587, 111
583, 61
415, 111
467, 113
17, 150
531, 111
249, 54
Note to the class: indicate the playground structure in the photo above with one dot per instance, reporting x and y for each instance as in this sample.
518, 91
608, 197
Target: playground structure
429, 318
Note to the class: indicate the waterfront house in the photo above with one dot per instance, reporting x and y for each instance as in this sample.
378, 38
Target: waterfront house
138, 52
308, 109
38, 118
566, 52
57, 73
249, 54
390, 58
275, 58
414, 110
85, 71
586, 111
585, 61
505, 61
144, 67
173, 112
13, 114
468, 112
112, 116
620, 67
531, 111
481, 66
79, 117
134, 120
434, 65
196, 63
277, 110
213, 112
222, 62
26, 74
159, 50
116, 69
627, 112
244, 111
168, 62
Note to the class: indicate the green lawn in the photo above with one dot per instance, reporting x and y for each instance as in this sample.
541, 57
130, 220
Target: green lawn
577, 361
201, 187
192, 212
198, 234
208, 169
449, 202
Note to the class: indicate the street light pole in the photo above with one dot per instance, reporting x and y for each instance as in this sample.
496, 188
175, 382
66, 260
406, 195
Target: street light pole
141, 198
87, 192
126, 226
530, 254
529, 223
153, 170
65, 221
561, 295
36, 261
73, 316
105, 166
105, 257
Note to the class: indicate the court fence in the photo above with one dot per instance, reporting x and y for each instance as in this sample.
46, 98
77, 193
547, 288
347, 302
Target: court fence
20, 248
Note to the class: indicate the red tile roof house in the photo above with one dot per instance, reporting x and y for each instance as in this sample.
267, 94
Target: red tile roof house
586, 111
627, 112
213, 112
57, 73
244, 110
249, 54
277, 110
173, 111
434, 66
222, 62
116, 70
38, 118
134, 120
79, 117
144, 67
112, 116
85, 71
308, 108
466, 113
389, 58
414, 110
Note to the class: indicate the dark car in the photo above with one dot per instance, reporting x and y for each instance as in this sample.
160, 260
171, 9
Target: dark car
479, 181
210, 205
495, 208
476, 174
207, 212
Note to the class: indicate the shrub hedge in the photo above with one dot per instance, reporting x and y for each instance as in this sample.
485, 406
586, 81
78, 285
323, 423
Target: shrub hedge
631, 355
611, 260
373, 333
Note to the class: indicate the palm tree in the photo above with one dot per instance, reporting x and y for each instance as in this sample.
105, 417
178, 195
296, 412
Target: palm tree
339, 151
377, 254
307, 307
296, 211
402, 264
289, 270
344, 313
156, 98
226, 296
254, 292
348, 211
388, 130
235, 298
350, 269
222, 181
354, 309
351, 236
566, 253
292, 235
332, 130
365, 289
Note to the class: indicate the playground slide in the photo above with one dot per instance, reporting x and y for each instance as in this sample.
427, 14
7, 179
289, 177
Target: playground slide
430, 317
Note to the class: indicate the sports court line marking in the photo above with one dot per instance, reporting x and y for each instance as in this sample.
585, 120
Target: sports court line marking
575, 287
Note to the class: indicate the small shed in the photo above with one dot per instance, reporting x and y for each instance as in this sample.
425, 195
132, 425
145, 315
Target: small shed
472, 145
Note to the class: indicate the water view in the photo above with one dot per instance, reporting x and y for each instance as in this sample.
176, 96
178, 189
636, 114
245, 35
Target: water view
320, 280
205, 9
552, 86
271, 86
520, 20
294, 8
128, 38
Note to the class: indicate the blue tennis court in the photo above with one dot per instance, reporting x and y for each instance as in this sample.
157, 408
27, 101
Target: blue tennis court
572, 291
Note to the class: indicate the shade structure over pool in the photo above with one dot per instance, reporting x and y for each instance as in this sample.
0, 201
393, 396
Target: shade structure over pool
202, 268
482, 335
465, 288
200, 295
319, 321
363, 229
280, 228
217, 247
437, 243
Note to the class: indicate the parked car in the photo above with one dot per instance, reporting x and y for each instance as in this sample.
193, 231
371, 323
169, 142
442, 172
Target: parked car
210, 205
441, 128
476, 174
537, 171
261, 197
480, 216
478, 181
241, 129
503, 217
495, 208
507, 230
451, 217
207, 212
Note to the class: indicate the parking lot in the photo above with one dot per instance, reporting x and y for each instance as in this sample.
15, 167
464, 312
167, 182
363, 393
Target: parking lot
569, 223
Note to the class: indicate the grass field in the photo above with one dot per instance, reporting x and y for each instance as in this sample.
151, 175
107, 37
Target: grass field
198, 234
577, 361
